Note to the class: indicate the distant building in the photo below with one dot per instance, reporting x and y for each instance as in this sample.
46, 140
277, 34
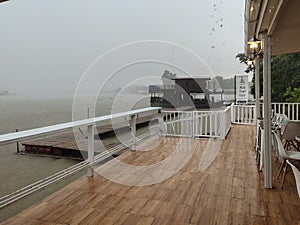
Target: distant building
192, 92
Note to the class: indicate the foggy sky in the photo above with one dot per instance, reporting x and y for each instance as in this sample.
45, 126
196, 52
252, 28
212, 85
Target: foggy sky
46, 46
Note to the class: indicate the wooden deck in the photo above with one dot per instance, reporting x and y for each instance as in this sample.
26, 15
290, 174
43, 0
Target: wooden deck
229, 191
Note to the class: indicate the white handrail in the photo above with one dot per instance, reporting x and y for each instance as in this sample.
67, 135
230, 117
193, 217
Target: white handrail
12, 137
244, 114
206, 123
38, 185
290, 109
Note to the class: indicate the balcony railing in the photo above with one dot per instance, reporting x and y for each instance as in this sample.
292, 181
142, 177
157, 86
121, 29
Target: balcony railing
130, 117
208, 124
243, 114
291, 110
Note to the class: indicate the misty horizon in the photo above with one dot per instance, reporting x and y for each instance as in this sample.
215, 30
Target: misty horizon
47, 47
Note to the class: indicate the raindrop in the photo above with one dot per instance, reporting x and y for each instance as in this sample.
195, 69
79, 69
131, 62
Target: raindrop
221, 25
212, 47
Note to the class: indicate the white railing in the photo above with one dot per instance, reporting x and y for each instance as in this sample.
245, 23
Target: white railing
243, 114
177, 123
209, 124
226, 121
129, 116
246, 114
206, 124
291, 110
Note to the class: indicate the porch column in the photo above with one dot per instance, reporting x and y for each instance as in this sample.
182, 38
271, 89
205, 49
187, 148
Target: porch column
267, 111
257, 88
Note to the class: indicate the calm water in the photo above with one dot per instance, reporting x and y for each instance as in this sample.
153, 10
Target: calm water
17, 171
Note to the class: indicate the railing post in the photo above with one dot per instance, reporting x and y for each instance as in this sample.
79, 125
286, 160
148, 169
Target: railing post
91, 150
18, 146
132, 124
160, 123
232, 113
222, 124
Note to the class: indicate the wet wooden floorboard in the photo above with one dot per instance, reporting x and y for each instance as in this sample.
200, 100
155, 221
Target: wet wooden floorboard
229, 191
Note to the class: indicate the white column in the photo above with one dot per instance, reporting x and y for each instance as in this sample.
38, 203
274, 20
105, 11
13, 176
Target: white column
91, 150
257, 88
267, 111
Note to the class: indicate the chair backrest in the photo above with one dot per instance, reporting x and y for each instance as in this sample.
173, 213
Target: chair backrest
285, 120
278, 120
297, 176
273, 117
279, 147
275, 120
291, 130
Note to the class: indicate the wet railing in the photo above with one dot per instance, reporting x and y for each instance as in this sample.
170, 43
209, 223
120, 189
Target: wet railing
177, 123
194, 124
92, 159
209, 124
291, 110
243, 114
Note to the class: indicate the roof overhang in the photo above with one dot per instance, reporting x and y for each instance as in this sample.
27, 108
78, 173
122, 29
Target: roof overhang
3, 1
280, 19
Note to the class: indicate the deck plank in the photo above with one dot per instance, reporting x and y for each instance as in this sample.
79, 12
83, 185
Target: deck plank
229, 191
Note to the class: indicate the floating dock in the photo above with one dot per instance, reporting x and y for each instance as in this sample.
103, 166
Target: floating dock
64, 145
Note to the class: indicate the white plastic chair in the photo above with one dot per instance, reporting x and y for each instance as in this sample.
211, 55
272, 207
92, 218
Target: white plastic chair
285, 155
296, 175
291, 130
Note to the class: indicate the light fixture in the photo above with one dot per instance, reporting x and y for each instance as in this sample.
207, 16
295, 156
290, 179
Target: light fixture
253, 44
249, 62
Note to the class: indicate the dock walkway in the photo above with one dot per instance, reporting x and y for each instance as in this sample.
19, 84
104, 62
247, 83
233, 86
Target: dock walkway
229, 191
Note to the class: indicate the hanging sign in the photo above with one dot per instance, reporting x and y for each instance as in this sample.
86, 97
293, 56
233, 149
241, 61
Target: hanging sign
241, 89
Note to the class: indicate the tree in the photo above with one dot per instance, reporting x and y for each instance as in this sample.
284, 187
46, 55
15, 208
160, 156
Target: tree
292, 95
285, 72
244, 59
